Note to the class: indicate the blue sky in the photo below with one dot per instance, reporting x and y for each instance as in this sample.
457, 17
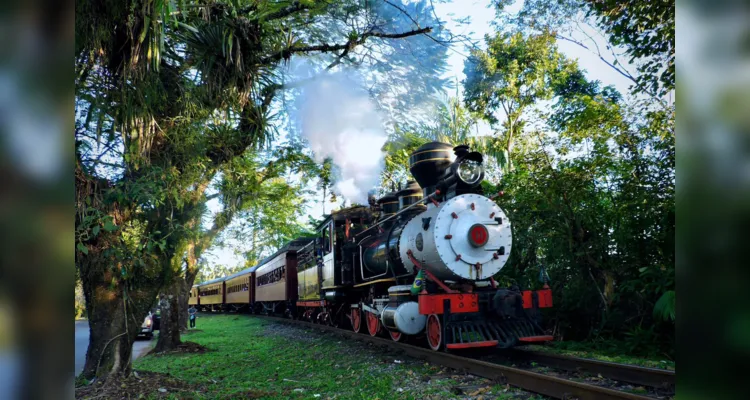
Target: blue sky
481, 14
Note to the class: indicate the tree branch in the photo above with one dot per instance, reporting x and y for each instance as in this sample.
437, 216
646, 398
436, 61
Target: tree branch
621, 71
349, 45
296, 6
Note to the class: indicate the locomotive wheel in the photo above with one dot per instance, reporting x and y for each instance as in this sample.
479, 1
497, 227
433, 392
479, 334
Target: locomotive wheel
373, 323
395, 336
356, 319
434, 332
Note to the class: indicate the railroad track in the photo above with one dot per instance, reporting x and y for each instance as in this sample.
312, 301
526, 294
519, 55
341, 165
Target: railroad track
547, 385
652, 377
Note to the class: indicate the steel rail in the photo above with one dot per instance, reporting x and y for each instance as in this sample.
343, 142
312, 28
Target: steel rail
653, 377
531, 381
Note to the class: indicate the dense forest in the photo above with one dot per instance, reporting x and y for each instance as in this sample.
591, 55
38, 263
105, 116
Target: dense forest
188, 136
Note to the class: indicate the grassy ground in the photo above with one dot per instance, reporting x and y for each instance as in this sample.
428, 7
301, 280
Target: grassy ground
252, 358
586, 351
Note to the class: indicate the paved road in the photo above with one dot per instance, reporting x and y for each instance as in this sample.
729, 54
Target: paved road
9, 374
140, 347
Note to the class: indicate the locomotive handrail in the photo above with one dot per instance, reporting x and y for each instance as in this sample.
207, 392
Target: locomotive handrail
428, 197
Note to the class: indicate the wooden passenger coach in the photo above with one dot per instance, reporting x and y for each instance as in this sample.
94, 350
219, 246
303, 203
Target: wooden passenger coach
240, 289
193, 296
211, 294
276, 279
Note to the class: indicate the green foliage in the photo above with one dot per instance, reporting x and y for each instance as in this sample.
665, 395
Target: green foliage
592, 189
645, 29
174, 101
209, 272
504, 81
600, 221
664, 309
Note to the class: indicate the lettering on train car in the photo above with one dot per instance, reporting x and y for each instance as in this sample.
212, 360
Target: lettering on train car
271, 276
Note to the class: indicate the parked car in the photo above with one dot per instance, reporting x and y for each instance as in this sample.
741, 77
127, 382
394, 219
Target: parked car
147, 328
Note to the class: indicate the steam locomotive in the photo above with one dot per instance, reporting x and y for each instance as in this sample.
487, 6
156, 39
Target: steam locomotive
418, 262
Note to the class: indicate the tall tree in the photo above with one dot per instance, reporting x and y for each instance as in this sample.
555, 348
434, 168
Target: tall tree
514, 73
166, 98
641, 31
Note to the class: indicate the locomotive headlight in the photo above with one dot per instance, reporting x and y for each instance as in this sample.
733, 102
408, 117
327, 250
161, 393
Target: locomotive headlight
470, 171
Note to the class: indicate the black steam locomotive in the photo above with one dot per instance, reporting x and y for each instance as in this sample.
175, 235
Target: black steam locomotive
418, 262
421, 261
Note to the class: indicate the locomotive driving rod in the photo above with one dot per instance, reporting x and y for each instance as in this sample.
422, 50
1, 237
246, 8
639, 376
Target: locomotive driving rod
400, 211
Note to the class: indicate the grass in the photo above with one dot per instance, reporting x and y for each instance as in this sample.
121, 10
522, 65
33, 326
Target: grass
253, 358
581, 349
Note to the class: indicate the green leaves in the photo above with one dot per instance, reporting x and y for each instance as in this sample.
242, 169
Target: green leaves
665, 307
82, 248
109, 226
516, 72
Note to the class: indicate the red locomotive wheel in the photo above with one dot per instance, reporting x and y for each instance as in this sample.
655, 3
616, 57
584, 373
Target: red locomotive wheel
396, 336
356, 319
373, 324
434, 332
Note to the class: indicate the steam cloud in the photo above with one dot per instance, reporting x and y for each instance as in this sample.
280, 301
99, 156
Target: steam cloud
341, 122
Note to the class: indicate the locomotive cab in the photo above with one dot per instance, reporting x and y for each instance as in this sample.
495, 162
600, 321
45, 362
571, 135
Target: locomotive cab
327, 265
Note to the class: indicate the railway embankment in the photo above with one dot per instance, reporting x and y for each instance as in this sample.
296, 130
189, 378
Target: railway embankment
248, 357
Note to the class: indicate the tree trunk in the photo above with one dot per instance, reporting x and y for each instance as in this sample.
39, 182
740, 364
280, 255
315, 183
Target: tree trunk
169, 328
182, 310
115, 314
190, 273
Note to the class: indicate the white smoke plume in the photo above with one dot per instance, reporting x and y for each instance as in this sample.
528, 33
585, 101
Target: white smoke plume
340, 121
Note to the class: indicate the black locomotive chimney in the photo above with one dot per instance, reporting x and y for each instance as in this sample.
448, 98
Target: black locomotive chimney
409, 195
388, 205
429, 162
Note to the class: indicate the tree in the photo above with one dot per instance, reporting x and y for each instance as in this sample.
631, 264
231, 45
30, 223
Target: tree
591, 191
593, 203
246, 182
166, 99
504, 81
448, 121
644, 29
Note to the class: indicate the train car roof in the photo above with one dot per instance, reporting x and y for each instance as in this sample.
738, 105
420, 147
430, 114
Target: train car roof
293, 245
243, 272
211, 281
